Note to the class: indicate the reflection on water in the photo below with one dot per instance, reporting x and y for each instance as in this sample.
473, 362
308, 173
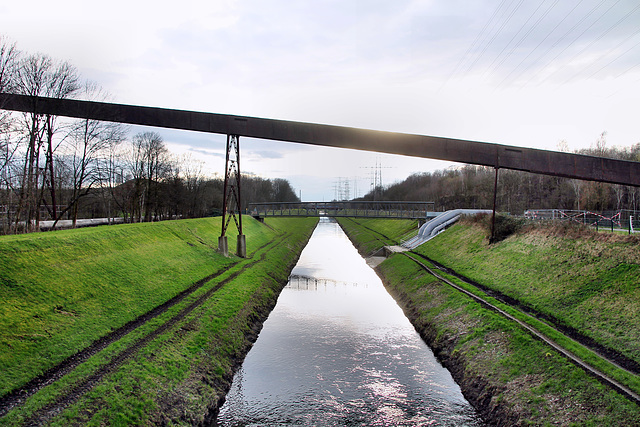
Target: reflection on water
337, 350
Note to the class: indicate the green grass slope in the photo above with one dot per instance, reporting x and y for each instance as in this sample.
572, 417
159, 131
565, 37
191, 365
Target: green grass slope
588, 281
181, 376
372, 234
511, 377
62, 290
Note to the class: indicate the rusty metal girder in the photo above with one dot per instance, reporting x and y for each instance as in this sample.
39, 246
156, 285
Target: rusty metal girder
545, 162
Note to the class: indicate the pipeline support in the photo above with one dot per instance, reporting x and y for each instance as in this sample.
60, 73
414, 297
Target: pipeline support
231, 207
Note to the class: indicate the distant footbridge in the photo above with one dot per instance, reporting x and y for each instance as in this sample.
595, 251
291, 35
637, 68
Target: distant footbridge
354, 209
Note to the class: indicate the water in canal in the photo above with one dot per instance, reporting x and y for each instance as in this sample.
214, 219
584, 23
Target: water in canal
337, 350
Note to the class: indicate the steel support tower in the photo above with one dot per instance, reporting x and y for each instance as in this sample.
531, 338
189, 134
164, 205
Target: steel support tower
231, 207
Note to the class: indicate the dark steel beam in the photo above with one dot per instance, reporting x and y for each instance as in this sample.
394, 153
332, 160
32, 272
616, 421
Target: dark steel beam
545, 162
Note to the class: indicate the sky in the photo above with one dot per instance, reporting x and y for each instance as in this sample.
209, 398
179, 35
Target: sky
526, 73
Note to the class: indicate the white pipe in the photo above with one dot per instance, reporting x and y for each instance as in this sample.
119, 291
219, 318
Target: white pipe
439, 223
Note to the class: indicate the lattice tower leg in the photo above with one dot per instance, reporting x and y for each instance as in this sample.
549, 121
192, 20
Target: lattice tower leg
231, 207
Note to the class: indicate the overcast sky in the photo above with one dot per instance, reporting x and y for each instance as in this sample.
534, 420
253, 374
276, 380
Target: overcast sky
518, 72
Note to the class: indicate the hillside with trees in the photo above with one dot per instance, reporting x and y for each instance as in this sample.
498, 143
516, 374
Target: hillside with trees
54, 168
473, 186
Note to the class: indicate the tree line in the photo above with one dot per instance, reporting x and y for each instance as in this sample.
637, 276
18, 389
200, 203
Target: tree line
473, 187
53, 168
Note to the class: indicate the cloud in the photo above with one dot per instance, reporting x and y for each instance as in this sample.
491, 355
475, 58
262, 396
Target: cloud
409, 66
266, 154
206, 152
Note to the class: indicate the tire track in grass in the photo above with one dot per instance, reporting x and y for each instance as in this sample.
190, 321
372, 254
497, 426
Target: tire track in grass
18, 396
601, 376
612, 356
47, 412
375, 233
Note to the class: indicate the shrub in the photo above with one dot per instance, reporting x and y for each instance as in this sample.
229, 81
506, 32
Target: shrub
505, 226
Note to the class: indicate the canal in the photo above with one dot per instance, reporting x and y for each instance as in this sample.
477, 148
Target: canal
337, 350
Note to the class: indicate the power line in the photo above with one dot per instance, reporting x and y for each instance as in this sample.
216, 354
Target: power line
627, 70
618, 57
533, 27
597, 39
504, 23
470, 48
516, 35
504, 14
557, 41
573, 41
606, 54
622, 73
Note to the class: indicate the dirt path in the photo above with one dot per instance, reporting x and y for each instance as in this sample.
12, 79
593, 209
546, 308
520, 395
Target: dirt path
18, 397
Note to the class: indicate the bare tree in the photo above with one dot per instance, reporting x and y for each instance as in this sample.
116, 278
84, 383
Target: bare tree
87, 141
31, 81
112, 169
149, 164
38, 75
8, 65
63, 83
9, 55
157, 167
189, 173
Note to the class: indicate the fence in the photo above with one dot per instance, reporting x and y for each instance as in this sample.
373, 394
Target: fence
622, 220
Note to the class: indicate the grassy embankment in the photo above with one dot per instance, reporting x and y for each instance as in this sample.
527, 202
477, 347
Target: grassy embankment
512, 377
61, 291
588, 281
370, 235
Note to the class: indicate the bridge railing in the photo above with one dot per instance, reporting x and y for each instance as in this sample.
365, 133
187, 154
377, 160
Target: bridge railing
368, 209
